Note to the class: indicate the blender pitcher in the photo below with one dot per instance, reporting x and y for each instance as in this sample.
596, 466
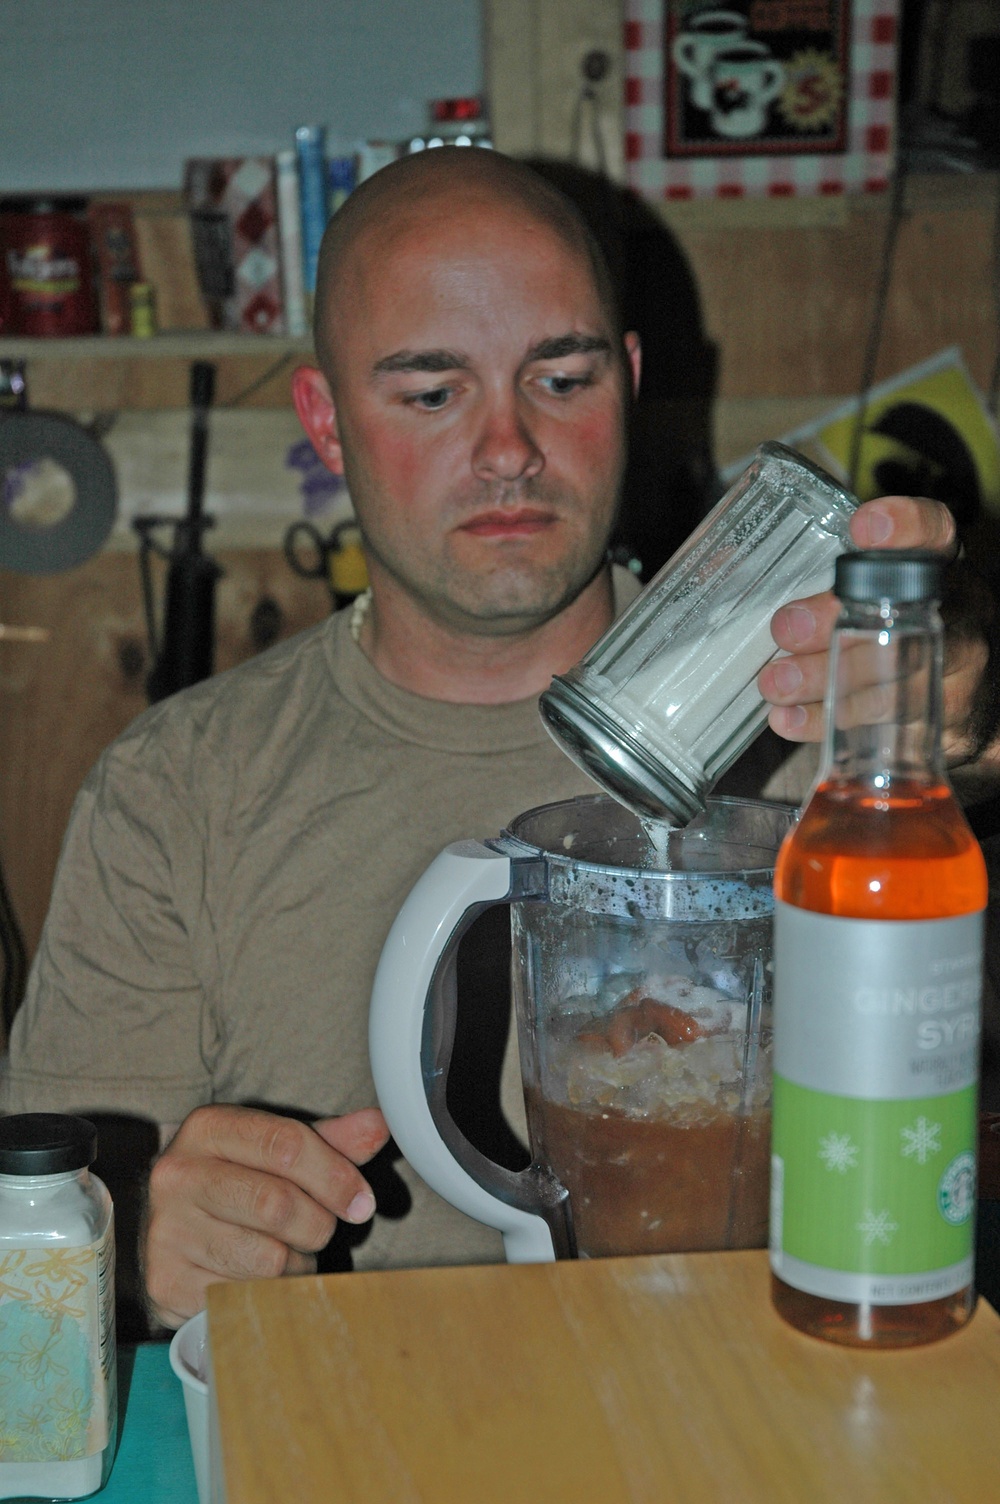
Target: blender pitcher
642, 994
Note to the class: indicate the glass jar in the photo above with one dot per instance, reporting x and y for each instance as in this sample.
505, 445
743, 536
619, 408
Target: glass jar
58, 1377
667, 700
454, 122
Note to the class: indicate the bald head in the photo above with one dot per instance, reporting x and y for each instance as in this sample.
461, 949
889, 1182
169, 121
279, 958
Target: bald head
417, 188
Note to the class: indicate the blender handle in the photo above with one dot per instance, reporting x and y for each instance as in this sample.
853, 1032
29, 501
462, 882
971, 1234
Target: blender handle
411, 1033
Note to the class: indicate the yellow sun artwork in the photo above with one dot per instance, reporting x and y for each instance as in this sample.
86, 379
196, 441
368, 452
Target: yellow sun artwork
813, 88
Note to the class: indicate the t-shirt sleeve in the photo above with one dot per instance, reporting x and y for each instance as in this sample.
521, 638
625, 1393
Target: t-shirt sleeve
118, 1013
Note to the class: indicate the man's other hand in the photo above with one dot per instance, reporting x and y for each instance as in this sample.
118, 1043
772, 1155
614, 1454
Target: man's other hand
245, 1194
795, 686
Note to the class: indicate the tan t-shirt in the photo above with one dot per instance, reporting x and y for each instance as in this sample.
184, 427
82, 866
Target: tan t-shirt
230, 871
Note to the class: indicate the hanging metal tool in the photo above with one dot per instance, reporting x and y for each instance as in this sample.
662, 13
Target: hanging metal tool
184, 652
586, 132
338, 559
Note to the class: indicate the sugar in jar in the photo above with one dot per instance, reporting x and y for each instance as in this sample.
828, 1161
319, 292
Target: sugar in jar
58, 1382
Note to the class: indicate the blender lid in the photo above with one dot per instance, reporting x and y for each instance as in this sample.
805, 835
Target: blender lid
620, 764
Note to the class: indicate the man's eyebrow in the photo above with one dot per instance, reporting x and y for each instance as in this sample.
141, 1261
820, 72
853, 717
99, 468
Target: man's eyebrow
561, 345
420, 360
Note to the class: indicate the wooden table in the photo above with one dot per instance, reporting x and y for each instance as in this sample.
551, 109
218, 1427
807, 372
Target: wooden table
662, 1380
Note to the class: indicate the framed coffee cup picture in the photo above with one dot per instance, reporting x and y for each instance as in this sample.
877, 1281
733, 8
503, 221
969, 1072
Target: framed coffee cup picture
772, 97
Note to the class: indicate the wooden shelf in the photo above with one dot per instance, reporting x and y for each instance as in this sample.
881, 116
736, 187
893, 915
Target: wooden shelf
95, 373
199, 344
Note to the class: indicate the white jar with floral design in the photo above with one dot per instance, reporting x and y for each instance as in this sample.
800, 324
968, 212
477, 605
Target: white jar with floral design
58, 1380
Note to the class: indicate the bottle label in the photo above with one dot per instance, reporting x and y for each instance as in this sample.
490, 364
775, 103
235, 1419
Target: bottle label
876, 1049
56, 1351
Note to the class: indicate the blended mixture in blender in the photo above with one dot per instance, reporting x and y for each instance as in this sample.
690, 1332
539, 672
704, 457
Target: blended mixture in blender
656, 1118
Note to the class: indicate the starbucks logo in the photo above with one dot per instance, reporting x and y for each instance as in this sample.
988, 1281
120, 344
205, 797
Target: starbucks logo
957, 1189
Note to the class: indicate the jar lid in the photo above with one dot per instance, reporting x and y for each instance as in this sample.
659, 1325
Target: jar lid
615, 755
469, 107
902, 575
45, 1143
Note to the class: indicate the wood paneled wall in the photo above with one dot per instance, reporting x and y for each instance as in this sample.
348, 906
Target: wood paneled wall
62, 701
790, 304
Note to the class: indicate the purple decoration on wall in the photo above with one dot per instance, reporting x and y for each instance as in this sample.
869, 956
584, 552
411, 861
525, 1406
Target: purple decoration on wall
318, 486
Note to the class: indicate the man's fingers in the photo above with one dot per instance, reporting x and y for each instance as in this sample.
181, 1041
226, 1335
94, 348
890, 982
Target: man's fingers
795, 686
903, 522
241, 1197
794, 681
357, 1135
242, 1194
804, 626
300, 1263
797, 723
190, 1256
278, 1147
186, 1251
870, 689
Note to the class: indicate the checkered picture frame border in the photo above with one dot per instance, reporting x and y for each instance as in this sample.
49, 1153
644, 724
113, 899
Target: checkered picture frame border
864, 167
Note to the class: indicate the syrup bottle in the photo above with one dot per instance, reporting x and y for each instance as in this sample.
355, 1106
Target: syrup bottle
880, 891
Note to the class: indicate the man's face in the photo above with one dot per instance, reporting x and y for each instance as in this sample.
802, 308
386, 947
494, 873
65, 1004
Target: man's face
479, 412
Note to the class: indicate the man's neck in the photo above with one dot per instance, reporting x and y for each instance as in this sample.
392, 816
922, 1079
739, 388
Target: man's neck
429, 658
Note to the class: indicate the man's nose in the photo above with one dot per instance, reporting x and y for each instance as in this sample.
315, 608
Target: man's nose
506, 448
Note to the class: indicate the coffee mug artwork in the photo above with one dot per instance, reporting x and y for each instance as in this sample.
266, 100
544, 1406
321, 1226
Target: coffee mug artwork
730, 76
696, 47
744, 79
755, 77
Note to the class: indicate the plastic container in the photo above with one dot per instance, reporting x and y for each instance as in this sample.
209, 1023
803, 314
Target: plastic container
189, 1361
58, 1377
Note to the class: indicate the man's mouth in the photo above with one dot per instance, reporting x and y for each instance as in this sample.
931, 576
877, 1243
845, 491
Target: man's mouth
503, 523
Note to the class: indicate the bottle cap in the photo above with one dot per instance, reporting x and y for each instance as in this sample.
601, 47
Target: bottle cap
45, 1143
899, 575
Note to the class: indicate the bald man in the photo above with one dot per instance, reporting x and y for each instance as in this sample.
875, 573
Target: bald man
236, 858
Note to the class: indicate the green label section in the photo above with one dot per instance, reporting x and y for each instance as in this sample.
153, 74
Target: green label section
875, 1187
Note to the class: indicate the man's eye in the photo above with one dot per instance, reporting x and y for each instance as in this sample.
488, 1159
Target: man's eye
561, 385
432, 400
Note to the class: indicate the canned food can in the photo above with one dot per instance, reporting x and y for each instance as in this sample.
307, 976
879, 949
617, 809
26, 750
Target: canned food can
46, 276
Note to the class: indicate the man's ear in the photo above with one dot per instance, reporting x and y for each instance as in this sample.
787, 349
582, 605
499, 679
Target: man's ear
318, 415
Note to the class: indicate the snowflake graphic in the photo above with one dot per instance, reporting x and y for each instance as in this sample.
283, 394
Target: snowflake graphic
877, 1227
922, 1140
838, 1153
